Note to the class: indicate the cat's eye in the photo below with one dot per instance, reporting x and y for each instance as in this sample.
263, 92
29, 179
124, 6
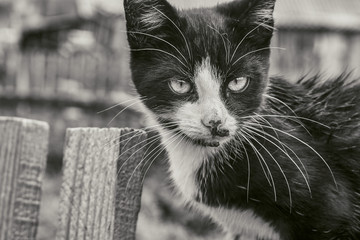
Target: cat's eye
179, 86
239, 84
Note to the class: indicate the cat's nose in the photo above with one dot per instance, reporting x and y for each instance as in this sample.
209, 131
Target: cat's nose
216, 128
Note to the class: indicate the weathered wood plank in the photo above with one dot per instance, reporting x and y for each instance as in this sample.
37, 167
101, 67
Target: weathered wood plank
129, 184
23, 150
92, 199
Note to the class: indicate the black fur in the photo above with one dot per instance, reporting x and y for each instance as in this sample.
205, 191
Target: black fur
317, 119
149, 67
331, 211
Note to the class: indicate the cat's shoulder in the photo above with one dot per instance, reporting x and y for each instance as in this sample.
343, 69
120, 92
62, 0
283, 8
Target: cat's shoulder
334, 102
334, 98
341, 93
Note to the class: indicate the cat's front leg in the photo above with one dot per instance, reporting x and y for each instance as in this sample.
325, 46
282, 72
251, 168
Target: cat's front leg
232, 236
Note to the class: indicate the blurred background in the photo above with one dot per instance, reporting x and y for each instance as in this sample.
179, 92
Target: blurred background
64, 61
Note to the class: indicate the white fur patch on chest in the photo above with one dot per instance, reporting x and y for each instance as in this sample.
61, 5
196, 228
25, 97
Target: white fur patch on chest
185, 159
244, 223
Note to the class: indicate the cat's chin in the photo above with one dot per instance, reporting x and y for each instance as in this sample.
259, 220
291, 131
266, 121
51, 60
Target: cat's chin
206, 143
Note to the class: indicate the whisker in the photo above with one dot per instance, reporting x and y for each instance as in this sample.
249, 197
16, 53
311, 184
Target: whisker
160, 39
159, 50
259, 154
281, 170
283, 145
297, 117
119, 104
144, 158
183, 36
128, 106
248, 166
154, 158
237, 46
291, 159
152, 128
139, 143
311, 148
167, 125
266, 122
227, 52
138, 150
280, 101
291, 110
260, 157
156, 138
258, 50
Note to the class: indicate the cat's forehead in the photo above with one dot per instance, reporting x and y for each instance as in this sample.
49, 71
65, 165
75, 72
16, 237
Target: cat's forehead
208, 37
202, 16
206, 72
204, 24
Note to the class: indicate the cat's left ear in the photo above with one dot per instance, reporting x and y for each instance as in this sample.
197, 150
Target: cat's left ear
251, 13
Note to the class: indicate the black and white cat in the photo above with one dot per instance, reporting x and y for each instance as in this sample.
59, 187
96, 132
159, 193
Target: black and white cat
265, 158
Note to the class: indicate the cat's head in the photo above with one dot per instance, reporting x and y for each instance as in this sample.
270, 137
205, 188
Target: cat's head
200, 71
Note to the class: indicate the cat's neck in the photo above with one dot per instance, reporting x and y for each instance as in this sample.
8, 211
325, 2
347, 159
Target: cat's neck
185, 159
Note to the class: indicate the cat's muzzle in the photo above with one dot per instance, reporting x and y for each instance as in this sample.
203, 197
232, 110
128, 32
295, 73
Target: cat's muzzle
216, 128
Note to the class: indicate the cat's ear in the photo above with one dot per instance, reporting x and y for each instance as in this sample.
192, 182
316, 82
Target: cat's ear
250, 12
147, 17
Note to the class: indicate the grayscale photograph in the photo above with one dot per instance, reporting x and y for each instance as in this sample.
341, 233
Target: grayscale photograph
179, 119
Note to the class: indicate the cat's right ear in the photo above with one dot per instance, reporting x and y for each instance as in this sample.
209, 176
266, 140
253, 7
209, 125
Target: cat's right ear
147, 17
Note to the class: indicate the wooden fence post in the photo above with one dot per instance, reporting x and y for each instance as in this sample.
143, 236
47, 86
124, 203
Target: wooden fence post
23, 150
101, 190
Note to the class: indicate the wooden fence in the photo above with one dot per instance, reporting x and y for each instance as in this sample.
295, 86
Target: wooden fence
83, 61
80, 76
101, 188
309, 52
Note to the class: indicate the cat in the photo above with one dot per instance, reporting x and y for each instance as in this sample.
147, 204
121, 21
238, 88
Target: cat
263, 157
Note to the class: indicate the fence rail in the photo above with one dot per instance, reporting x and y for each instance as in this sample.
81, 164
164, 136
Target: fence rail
101, 188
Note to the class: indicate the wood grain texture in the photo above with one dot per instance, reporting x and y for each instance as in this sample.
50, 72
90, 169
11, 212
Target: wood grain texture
89, 207
130, 176
23, 150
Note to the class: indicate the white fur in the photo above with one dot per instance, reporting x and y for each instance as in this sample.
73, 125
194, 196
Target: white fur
242, 222
185, 158
151, 20
209, 106
264, 14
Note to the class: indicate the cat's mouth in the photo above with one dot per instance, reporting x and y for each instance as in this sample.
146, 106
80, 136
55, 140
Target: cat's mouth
206, 142
214, 141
